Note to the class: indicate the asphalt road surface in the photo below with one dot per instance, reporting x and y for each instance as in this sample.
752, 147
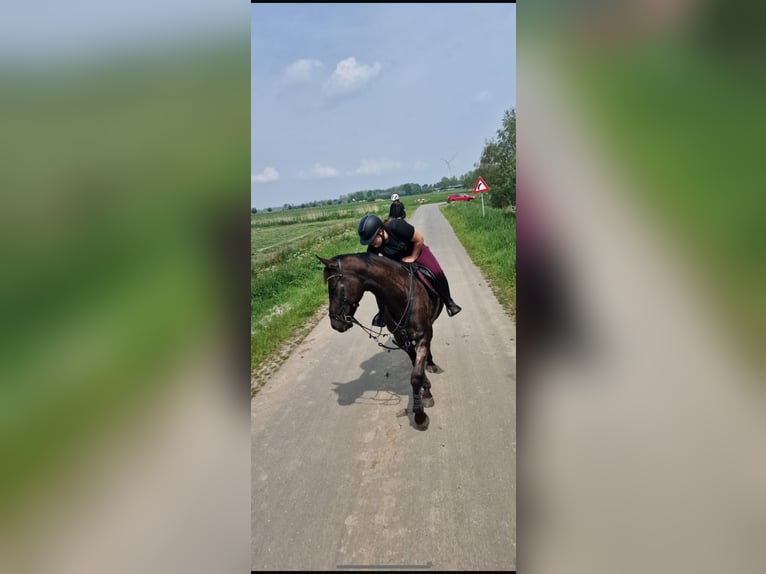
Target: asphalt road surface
341, 479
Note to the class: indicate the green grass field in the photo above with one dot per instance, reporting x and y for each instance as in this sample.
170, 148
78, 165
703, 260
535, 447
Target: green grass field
490, 240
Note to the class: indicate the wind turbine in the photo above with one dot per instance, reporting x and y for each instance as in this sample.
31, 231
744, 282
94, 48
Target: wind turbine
449, 167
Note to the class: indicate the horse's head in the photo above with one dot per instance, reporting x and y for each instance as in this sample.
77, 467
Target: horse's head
345, 291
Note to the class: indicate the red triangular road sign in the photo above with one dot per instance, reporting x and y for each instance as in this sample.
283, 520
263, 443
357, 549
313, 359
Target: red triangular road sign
481, 186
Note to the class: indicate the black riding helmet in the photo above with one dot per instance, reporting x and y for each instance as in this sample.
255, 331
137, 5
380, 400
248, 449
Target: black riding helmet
368, 228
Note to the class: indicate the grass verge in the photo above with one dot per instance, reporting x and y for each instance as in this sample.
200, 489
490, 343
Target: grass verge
490, 240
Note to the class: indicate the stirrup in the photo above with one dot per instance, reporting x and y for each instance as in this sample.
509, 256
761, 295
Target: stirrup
453, 309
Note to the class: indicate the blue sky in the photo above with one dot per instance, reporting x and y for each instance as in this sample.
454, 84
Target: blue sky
349, 97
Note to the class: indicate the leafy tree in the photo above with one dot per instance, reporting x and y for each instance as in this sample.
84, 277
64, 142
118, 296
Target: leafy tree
468, 180
498, 163
253, 211
447, 182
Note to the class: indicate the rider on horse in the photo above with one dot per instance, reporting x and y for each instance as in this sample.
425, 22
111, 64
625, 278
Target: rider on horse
398, 240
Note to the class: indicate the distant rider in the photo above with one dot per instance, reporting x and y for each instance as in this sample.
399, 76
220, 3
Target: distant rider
396, 211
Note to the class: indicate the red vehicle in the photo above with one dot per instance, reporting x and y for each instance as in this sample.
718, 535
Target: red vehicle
460, 197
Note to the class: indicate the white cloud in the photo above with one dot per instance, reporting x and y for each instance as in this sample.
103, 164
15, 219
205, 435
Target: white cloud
420, 165
301, 71
376, 166
318, 171
350, 76
267, 175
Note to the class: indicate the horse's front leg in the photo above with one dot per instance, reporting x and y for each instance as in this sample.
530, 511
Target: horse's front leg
416, 380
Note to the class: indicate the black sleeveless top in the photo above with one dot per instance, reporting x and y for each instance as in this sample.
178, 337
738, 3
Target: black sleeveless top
397, 210
399, 242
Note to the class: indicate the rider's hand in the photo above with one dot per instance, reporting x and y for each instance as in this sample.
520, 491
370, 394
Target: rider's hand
408, 259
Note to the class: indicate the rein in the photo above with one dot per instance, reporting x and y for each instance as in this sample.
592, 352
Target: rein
401, 324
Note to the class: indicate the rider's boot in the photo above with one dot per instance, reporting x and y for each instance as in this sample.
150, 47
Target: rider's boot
442, 287
377, 320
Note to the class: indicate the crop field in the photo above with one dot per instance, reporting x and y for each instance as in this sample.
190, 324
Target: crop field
316, 214
270, 244
275, 235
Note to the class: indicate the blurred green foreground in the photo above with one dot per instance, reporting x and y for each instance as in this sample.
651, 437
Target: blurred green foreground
119, 181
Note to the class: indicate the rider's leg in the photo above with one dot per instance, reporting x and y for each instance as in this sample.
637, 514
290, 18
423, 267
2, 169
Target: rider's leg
427, 259
442, 287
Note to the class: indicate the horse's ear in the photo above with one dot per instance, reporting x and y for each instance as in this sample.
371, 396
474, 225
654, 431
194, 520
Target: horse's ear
327, 262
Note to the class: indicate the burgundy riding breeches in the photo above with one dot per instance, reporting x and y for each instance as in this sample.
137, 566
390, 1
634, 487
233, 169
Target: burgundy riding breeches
428, 259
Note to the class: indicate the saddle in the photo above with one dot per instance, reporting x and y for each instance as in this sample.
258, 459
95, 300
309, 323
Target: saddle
428, 280
426, 277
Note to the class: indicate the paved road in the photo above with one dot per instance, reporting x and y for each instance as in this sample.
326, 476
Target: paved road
340, 476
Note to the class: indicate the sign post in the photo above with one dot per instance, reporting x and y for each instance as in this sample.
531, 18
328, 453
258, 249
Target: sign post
481, 187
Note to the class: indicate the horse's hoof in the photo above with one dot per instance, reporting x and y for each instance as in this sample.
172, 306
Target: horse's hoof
428, 402
433, 369
421, 421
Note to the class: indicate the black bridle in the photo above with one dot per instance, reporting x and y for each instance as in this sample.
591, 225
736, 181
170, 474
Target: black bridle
346, 318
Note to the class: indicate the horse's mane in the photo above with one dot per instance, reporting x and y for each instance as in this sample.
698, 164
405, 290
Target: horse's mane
371, 259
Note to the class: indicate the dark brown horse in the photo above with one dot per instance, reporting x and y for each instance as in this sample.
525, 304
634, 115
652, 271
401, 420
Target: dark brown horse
410, 308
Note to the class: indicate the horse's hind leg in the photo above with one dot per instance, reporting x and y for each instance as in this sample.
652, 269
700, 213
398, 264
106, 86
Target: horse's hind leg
416, 380
431, 367
428, 398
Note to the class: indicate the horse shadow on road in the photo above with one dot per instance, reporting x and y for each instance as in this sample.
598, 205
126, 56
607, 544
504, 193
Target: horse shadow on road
385, 380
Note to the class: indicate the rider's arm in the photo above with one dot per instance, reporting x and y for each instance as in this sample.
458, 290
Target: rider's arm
417, 245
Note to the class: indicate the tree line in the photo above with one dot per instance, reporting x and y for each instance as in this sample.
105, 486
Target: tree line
496, 165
